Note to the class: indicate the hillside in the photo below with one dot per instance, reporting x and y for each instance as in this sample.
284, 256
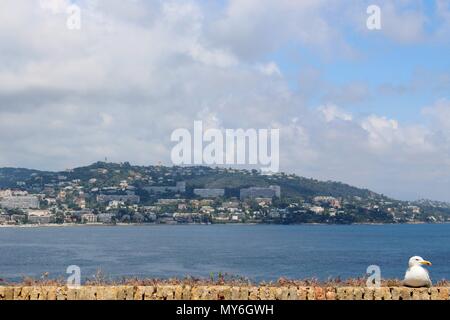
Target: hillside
110, 174
302, 200
11, 177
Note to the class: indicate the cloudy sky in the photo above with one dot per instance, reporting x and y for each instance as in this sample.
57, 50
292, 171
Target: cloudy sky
369, 108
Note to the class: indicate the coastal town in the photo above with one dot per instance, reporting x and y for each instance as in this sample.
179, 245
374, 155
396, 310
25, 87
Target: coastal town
123, 194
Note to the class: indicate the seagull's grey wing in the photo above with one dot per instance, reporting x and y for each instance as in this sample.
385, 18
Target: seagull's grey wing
429, 283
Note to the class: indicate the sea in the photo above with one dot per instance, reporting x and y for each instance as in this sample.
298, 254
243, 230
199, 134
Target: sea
254, 252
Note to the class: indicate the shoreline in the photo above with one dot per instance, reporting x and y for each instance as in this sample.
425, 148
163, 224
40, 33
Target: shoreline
78, 225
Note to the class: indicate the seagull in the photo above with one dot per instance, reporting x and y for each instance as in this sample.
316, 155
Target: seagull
417, 276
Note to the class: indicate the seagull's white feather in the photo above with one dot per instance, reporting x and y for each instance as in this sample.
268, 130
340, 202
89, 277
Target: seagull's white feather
416, 275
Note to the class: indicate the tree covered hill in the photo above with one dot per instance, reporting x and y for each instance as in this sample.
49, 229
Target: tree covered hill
297, 193
111, 174
12, 177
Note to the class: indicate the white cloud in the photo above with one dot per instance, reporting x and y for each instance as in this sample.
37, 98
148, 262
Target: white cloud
135, 72
55, 6
382, 131
332, 112
270, 69
440, 115
403, 24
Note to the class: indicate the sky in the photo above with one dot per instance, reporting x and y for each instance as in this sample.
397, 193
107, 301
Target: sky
366, 107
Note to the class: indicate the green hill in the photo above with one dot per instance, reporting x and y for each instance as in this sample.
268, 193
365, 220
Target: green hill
111, 174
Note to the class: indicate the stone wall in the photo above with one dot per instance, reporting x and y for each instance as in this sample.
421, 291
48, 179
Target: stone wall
186, 292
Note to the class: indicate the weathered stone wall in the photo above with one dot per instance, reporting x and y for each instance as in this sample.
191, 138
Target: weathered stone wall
186, 292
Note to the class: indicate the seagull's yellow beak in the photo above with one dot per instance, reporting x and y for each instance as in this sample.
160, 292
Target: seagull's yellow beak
427, 263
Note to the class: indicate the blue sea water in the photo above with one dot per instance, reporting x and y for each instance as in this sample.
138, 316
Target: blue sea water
258, 252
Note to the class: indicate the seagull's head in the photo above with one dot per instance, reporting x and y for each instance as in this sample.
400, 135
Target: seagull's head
418, 261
